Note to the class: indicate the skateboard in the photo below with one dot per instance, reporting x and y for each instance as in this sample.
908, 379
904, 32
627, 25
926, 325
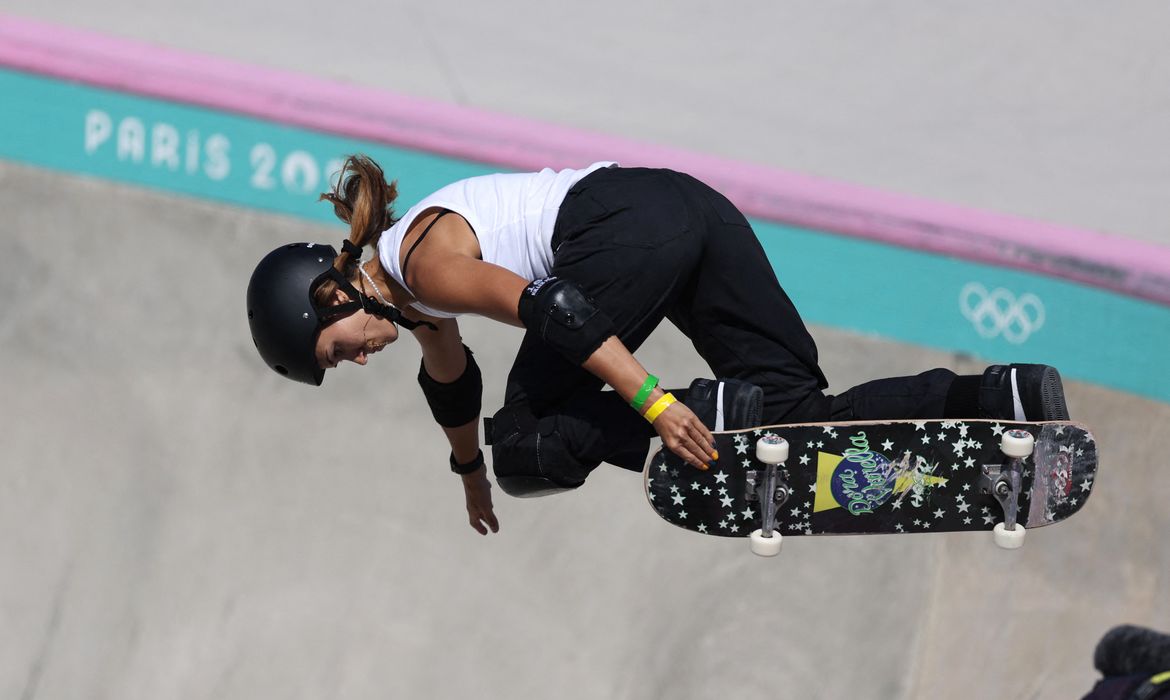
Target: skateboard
879, 477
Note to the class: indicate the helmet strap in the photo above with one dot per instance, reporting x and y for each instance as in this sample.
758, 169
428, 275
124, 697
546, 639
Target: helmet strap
364, 302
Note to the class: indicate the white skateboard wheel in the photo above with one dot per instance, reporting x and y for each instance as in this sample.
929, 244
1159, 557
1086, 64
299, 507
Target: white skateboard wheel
766, 546
1009, 539
771, 449
1017, 443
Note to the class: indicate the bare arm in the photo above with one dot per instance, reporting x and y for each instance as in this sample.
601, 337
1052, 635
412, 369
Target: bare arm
445, 361
680, 429
461, 283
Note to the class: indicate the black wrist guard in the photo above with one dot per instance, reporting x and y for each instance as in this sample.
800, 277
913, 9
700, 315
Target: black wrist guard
559, 312
458, 402
470, 467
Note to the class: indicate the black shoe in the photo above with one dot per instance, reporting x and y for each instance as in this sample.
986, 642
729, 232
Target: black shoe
1022, 393
726, 404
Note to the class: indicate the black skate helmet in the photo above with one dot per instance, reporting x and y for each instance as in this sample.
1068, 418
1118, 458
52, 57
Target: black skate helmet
283, 318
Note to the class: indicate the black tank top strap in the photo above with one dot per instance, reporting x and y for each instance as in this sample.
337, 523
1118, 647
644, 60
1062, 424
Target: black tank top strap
423, 235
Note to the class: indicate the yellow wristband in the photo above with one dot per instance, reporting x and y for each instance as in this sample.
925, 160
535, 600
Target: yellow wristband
658, 407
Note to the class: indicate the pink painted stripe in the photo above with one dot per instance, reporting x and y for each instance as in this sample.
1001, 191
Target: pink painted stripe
1124, 265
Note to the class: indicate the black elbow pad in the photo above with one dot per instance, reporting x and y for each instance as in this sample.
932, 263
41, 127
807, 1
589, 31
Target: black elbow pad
558, 311
458, 402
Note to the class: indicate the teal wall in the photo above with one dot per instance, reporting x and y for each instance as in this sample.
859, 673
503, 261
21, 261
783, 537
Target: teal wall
945, 303
990, 312
193, 151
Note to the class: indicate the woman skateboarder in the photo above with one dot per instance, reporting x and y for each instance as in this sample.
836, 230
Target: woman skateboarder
589, 262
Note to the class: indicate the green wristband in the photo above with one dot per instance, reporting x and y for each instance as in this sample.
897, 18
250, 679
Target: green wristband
644, 393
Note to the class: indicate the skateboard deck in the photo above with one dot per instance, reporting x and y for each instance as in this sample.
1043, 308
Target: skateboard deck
879, 477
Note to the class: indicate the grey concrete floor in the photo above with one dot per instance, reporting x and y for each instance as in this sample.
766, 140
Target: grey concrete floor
178, 522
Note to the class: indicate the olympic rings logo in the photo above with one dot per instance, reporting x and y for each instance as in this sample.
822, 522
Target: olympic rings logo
1000, 312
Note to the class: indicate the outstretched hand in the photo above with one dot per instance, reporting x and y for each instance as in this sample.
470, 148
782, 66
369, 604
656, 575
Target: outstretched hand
478, 492
685, 435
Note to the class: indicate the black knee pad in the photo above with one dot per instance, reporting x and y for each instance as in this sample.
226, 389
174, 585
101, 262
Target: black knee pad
726, 404
529, 457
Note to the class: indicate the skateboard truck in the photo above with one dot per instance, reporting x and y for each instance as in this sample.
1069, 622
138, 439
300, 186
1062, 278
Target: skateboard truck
770, 488
1005, 482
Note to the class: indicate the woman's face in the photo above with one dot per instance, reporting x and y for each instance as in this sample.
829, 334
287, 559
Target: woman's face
354, 337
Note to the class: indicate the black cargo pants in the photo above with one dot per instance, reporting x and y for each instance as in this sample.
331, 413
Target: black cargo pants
650, 244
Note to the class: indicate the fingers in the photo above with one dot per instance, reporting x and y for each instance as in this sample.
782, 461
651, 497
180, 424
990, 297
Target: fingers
483, 520
693, 444
685, 435
704, 439
481, 515
695, 455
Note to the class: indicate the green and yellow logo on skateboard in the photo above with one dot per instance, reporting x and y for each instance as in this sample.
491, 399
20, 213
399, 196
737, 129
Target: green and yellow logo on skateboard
862, 480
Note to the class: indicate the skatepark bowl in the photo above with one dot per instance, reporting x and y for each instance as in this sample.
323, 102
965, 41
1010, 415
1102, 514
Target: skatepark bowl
180, 522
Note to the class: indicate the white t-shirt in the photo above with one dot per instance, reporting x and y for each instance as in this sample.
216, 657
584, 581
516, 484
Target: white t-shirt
512, 215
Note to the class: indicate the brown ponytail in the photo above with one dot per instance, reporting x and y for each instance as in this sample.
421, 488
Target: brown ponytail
363, 199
